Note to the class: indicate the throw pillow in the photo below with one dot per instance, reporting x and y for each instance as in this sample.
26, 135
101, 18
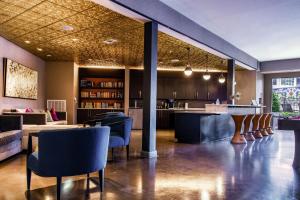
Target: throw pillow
28, 110
49, 117
54, 115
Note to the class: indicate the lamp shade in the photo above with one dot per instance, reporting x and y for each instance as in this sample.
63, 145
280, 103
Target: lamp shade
206, 76
188, 71
222, 79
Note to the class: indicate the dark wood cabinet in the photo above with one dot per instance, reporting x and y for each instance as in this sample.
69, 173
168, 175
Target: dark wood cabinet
165, 119
174, 85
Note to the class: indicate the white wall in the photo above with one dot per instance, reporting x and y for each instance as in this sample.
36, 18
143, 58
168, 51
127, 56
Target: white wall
16, 53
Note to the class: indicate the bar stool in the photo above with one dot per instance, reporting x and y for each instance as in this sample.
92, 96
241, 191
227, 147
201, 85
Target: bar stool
238, 137
248, 134
255, 126
268, 124
262, 124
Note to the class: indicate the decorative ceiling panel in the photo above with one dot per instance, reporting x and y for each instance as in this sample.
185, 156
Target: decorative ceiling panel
96, 35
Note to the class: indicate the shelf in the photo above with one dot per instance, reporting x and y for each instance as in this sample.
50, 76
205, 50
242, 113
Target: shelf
101, 108
101, 88
116, 99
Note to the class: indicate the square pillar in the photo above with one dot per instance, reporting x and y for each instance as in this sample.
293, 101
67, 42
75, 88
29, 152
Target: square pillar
149, 89
230, 80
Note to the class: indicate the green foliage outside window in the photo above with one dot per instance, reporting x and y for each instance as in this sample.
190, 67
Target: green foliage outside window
275, 103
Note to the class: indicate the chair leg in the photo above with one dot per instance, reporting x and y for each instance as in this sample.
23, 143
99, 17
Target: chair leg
87, 184
127, 151
58, 187
28, 172
101, 180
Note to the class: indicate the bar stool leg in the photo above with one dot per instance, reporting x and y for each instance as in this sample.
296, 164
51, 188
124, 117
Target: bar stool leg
248, 134
238, 138
262, 125
268, 124
255, 126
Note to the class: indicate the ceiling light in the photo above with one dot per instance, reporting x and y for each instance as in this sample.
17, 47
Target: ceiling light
27, 41
222, 79
206, 75
75, 39
68, 28
175, 60
39, 49
49, 55
110, 41
188, 70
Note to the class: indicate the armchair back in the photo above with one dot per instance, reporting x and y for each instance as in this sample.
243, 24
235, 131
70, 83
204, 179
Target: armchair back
72, 151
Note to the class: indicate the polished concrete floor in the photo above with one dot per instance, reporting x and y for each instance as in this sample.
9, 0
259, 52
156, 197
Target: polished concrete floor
258, 170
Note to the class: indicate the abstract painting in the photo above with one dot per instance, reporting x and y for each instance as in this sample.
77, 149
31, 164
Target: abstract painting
19, 81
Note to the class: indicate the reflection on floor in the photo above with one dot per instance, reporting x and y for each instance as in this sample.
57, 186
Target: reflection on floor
258, 170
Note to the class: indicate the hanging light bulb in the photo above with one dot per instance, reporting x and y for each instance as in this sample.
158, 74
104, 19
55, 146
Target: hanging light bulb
222, 79
188, 70
206, 75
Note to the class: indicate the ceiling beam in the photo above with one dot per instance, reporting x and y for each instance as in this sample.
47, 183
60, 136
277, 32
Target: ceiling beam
170, 18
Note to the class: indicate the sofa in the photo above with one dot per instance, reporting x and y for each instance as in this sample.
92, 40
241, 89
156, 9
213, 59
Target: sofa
39, 117
10, 135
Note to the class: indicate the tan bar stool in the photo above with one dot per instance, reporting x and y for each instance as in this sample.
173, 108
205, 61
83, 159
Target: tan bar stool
238, 137
255, 126
248, 134
268, 124
262, 125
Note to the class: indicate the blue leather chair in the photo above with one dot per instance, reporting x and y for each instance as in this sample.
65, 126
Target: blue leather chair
69, 152
120, 132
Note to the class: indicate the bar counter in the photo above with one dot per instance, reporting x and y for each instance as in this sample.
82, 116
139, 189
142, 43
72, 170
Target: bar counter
210, 124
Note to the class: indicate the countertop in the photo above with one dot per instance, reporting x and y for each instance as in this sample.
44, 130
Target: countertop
175, 109
204, 112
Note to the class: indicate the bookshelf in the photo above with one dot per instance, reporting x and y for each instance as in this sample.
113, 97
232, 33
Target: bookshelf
101, 89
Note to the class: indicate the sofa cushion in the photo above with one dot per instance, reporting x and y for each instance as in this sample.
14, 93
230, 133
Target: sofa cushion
60, 122
10, 136
115, 141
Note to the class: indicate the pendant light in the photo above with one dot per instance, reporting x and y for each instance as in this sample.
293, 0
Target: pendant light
188, 70
222, 78
206, 75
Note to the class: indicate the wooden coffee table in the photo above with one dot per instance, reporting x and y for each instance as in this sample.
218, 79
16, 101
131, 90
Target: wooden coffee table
293, 124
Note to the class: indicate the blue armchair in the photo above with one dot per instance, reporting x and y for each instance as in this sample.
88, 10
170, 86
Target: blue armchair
69, 152
120, 132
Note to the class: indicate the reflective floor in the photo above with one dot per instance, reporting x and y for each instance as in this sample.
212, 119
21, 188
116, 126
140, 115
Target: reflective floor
258, 170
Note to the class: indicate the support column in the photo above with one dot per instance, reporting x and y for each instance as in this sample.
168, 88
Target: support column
127, 86
149, 88
230, 80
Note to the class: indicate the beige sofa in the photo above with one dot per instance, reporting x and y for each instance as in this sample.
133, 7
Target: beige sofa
39, 117
10, 136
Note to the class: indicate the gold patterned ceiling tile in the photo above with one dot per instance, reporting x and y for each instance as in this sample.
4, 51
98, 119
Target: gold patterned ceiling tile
98, 35
76, 5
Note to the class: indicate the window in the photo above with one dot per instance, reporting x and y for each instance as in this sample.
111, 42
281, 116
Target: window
274, 81
287, 81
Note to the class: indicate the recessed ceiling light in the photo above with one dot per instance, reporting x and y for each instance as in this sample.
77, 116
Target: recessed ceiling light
48, 55
75, 39
175, 60
68, 28
110, 41
27, 41
39, 49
